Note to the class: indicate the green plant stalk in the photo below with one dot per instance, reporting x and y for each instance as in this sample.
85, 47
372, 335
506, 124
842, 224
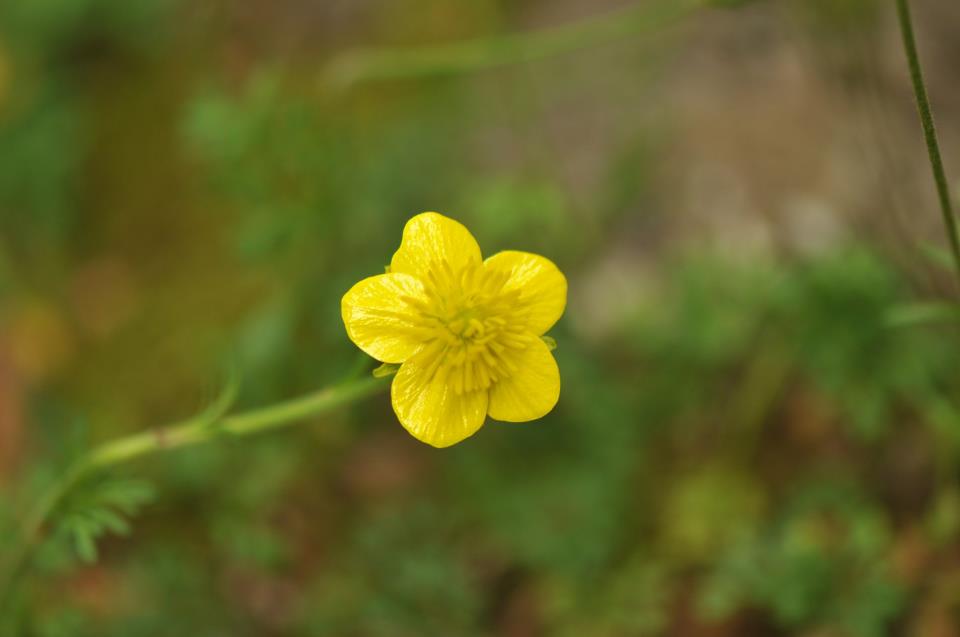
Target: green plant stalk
188, 433
929, 129
477, 54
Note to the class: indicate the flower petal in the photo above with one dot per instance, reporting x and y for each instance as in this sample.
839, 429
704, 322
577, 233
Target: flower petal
380, 317
542, 286
430, 239
531, 391
431, 411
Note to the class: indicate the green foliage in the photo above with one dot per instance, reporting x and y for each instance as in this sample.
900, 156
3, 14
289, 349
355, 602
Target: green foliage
43, 146
847, 347
802, 565
261, 150
707, 512
48, 26
423, 587
96, 509
739, 443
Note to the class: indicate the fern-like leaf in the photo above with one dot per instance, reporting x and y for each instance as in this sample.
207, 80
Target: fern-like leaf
98, 508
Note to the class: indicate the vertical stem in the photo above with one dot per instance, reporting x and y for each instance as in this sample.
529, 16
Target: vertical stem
929, 130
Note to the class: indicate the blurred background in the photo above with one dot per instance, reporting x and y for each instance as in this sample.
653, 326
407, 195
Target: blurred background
746, 444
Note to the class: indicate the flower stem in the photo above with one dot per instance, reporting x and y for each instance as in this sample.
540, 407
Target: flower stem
187, 433
393, 63
929, 129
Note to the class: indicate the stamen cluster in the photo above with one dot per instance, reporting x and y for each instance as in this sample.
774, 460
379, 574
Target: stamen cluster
469, 324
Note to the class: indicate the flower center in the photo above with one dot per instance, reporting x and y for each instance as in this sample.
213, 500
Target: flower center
471, 327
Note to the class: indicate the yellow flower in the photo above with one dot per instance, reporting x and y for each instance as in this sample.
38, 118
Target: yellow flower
466, 330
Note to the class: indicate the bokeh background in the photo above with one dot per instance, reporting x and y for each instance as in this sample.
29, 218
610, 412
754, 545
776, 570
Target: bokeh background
746, 442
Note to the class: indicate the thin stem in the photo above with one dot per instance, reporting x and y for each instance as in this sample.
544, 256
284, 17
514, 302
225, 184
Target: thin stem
477, 54
175, 436
929, 129
197, 431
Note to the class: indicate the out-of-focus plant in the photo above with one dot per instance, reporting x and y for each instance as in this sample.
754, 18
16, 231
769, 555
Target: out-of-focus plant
929, 130
659, 480
467, 332
361, 66
84, 519
926, 312
801, 566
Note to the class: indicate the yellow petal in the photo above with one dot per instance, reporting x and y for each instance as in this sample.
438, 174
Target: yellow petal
429, 408
531, 391
430, 239
542, 287
380, 316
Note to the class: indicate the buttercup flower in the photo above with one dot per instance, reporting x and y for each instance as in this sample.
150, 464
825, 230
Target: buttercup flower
466, 330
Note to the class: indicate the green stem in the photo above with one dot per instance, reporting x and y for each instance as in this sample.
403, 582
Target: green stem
372, 64
175, 436
929, 129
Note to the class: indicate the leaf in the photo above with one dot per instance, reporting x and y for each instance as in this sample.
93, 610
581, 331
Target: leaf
110, 521
127, 495
224, 400
85, 544
98, 508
